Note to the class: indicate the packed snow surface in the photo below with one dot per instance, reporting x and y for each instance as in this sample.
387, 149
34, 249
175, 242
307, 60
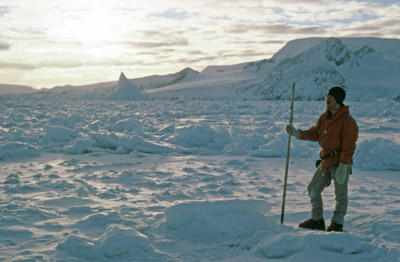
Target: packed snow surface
186, 181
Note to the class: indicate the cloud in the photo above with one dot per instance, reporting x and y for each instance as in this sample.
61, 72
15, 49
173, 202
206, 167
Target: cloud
290, 2
16, 65
383, 28
259, 42
155, 44
275, 29
172, 13
273, 42
41, 64
196, 60
195, 52
4, 10
160, 33
60, 64
255, 53
4, 46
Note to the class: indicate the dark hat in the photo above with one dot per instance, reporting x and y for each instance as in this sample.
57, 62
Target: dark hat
338, 93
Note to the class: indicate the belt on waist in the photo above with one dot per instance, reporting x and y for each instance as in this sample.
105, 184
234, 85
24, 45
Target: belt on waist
333, 153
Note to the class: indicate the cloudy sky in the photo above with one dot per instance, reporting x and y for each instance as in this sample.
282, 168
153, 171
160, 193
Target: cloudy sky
45, 43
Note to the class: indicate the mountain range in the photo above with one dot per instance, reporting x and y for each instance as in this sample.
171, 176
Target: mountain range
368, 68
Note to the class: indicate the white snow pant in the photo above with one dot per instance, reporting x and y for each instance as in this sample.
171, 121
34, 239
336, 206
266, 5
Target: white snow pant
315, 188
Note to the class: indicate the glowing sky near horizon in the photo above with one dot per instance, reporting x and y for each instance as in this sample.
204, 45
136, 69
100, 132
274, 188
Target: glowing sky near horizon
46, 43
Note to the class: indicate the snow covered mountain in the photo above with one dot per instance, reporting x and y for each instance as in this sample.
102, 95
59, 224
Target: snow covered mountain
387, 47
15, 89
366, 67
362, 71
157, 81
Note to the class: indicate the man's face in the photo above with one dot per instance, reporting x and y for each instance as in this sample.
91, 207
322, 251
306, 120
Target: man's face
331, 102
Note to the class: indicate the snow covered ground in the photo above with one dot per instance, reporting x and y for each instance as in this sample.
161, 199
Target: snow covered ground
186, 181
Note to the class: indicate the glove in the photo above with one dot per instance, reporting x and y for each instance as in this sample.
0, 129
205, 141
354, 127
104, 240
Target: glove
291, 130
341, 173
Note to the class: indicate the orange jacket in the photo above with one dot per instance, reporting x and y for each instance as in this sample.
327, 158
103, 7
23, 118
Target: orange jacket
337, 132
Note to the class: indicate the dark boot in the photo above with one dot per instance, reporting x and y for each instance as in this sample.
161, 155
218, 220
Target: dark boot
312, 224
335, 227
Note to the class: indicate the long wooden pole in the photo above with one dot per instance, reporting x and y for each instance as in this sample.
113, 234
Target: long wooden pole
287, 156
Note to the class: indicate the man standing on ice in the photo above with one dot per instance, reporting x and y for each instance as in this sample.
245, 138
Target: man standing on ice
336, 131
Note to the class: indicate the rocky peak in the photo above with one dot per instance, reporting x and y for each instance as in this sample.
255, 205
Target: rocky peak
336, 51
